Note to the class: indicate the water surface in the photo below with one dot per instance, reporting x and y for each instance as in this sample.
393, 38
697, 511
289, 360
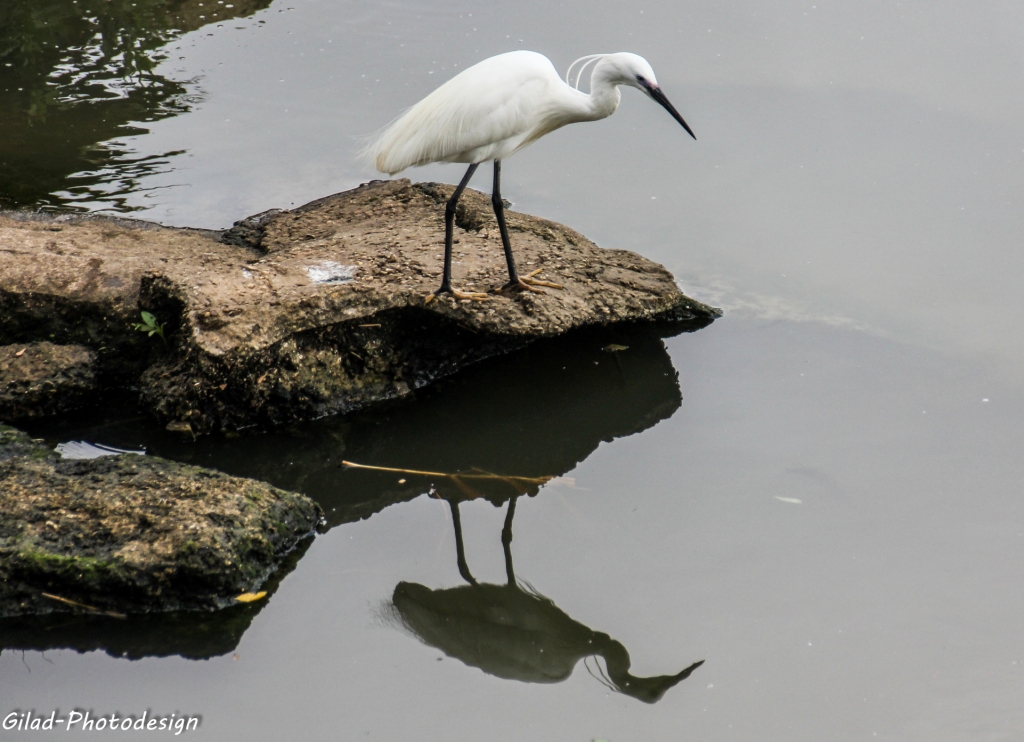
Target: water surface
819, 495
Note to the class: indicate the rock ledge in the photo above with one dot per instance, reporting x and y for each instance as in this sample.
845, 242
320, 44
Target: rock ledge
298, 314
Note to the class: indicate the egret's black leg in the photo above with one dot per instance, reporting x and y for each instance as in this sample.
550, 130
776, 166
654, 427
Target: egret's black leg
449, 226
499, 212
506, 540
460, 549
449, 235
514, 281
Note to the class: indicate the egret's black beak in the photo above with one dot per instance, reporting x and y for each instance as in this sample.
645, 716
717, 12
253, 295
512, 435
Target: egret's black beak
659, 96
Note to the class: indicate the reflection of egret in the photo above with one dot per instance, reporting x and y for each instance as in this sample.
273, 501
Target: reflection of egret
516, 633
494, 109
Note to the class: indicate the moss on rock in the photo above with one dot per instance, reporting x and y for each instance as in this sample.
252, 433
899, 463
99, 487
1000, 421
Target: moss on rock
132, 533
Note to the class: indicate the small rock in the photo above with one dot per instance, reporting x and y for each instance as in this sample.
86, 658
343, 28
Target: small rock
132, 534
181, 427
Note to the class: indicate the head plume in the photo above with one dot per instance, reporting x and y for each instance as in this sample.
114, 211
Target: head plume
587, 60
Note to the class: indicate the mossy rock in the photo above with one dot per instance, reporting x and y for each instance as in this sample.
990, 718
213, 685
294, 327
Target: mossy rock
131, 533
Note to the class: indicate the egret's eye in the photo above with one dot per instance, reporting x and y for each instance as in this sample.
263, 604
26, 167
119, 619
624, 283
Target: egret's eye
640, 78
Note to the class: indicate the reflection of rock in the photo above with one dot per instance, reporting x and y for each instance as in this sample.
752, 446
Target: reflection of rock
42, 379
536, 412
74, 76
515, 633
256, 337
130, 533
190, 634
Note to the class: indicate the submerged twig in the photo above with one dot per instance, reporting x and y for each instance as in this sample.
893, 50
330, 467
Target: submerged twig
464, 488
89, 608
456, 478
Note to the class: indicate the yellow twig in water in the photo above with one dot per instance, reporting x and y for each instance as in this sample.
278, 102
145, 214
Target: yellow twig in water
455, 477
90, 608
464, 488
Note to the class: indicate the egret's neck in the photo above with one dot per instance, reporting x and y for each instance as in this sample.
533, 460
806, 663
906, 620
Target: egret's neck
604, 94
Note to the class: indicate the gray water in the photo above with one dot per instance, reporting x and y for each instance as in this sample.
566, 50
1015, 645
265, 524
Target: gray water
819, 495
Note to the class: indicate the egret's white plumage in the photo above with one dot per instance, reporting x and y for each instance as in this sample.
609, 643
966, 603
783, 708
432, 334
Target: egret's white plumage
494, 109
500, 105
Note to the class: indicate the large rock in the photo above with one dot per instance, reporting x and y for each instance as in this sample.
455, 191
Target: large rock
132, 533
298, 314
41, 379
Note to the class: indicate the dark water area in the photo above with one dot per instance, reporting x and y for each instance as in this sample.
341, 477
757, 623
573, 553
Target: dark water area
818, 496
75, 77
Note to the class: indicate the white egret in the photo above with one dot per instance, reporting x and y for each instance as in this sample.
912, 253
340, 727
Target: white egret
494, 109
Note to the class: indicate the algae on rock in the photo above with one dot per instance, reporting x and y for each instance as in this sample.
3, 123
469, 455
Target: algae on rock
132, 533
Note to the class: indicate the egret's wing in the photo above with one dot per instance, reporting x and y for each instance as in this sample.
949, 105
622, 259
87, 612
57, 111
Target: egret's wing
499, 99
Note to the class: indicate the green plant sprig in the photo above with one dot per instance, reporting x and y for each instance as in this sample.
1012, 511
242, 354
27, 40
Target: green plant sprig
151, 326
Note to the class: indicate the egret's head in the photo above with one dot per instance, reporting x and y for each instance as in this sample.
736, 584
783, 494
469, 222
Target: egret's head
625, 68
630, 69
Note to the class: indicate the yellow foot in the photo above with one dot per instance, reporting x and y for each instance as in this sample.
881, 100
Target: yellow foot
528, 278
471, 295
527, 283
520, 284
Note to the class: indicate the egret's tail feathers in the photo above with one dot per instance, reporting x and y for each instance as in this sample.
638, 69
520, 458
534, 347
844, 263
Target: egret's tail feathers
427, 132
367, 153
440, 128
394, 148
374, 150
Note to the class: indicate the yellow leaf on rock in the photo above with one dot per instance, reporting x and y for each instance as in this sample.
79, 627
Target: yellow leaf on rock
251, 597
